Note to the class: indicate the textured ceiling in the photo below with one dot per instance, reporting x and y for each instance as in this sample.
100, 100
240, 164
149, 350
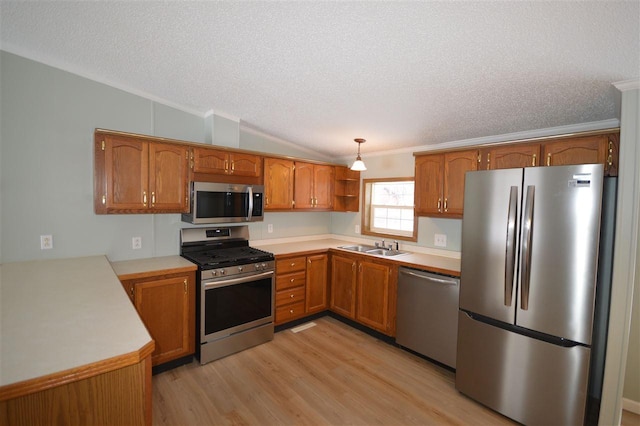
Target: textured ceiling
319, 74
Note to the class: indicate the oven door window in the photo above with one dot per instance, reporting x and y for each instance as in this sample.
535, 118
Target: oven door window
234, 305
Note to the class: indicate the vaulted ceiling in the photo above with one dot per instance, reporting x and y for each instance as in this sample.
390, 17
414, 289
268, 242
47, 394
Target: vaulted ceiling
319, 74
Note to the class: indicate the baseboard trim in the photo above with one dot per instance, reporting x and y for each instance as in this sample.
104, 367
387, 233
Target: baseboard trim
631, 405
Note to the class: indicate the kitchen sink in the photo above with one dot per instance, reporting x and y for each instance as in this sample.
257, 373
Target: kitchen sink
359, 247
372, 250
384, 252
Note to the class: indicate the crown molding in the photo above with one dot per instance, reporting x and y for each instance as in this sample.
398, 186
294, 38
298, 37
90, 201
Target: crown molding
626, 85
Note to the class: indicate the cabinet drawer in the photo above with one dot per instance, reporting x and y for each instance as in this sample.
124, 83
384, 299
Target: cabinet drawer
290, 280
291, 264
289, 312
292, 295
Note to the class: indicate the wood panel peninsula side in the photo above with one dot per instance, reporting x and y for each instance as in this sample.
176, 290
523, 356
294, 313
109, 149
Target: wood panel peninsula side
73, 350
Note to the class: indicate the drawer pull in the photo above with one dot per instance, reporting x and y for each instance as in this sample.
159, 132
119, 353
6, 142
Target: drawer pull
293, 264
290, 311
292, 280
291, 296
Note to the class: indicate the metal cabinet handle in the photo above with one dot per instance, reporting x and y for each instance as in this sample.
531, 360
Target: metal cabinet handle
533, 160
439, 204
144, 198
548, 159
153, 198
445, 205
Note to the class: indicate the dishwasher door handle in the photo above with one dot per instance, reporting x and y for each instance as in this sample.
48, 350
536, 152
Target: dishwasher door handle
453, 282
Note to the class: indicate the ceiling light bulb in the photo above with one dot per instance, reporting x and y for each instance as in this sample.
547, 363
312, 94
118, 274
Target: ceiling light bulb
358, 165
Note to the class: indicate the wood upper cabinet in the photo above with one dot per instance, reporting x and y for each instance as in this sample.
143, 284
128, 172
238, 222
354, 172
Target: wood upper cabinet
511, 156
313, 186
220, 162
346, 190
440, 182
166, 305
343, 285
317, 283
132, 175
595, 149
278, 183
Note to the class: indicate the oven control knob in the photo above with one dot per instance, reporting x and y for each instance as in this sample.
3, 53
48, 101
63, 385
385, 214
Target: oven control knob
213, 273
257, 265
240, 268
221, 271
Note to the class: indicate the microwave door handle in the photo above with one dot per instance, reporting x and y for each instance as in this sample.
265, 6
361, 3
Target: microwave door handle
250, 212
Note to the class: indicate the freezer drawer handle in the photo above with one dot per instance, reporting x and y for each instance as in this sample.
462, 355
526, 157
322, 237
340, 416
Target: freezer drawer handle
510, 254
525, 261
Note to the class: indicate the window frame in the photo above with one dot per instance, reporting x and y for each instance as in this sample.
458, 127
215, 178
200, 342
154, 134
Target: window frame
365, 217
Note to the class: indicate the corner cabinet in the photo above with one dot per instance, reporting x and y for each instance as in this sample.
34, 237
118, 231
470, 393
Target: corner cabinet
439, 182
365, 290
346, 190
166, 305
133, 175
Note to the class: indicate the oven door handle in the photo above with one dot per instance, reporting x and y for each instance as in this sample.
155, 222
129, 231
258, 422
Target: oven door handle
221, 282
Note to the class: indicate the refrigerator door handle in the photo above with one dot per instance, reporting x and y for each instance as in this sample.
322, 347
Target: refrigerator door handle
525, 261
510, 253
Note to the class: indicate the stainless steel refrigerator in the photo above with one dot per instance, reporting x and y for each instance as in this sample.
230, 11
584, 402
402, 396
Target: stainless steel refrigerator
530, 247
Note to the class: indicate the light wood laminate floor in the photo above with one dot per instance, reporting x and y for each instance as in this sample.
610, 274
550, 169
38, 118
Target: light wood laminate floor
330, 374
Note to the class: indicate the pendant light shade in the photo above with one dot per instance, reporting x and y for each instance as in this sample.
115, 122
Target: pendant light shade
358, 165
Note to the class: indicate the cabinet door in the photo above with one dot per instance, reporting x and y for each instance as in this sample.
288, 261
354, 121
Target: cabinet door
323, 187
343, 286
456, 165
278, 182
585, 150
303, 192
245, 164
429, 171
373, 295
168, 178
206, 160
316, 291
126, 170
163, 306
512, 156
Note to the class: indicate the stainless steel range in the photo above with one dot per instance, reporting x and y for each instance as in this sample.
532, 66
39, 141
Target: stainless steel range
235, 297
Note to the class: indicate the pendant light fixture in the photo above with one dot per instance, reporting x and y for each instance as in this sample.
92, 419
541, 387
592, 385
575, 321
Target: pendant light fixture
358, 165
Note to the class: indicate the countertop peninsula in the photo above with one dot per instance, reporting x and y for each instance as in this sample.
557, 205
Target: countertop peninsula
64, 319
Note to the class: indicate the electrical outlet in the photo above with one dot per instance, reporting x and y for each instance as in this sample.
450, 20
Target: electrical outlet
357, 229
440, 240
270, 228
46, 242
136, 243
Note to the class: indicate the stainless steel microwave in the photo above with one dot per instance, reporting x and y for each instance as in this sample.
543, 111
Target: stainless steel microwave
225, 203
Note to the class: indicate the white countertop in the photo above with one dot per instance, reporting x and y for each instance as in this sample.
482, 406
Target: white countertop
436, 263
57, 315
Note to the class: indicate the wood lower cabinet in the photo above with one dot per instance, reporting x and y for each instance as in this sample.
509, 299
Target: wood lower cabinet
133, 175
301, 286
291, 278
166, 305
317, 283
365, 290
439, 182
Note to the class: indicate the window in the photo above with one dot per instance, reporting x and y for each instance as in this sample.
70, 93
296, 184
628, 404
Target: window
388, 208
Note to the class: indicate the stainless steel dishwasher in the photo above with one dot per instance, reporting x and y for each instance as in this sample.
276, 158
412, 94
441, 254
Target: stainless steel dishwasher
427, 320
